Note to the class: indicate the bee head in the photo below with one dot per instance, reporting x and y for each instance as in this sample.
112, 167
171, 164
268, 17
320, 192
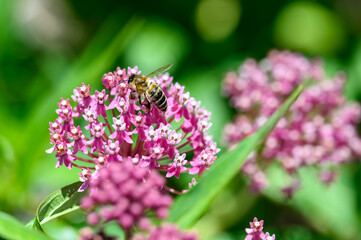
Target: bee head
131, 78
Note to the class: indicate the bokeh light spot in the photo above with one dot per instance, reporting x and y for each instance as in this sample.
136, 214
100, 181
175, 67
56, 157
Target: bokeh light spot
217, 19
309, 27
159, 43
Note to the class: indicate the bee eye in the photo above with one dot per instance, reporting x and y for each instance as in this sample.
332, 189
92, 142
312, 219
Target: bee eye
131, 79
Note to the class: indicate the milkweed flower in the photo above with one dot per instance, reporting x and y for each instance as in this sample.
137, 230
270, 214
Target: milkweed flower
255, 232
111, 126
125, 193
129, 194
166, 232
87, 233
268, 236
318, 130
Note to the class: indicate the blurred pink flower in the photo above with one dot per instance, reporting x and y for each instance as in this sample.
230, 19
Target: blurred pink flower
319, 129
125, 193
166, 232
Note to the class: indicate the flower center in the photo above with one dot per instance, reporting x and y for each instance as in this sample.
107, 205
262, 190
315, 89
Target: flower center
101, 160
83, 90
135, 160
193, 105
185, 97
123, 86
156, 150
60, 149
204, 124
151, 134
56, 137
122, 104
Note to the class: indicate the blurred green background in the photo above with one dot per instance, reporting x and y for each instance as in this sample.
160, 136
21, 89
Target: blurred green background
48, 47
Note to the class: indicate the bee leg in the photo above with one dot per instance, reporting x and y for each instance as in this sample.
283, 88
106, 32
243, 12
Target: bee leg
147, 105
132, 95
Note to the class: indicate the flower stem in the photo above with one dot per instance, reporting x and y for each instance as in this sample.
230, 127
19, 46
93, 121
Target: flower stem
184, 144
81, 167
108, 125
84, 160
138, 145
172, 190
92, 155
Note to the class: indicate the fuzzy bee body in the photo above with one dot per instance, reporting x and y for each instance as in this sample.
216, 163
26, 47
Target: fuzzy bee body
145, 86
157, 96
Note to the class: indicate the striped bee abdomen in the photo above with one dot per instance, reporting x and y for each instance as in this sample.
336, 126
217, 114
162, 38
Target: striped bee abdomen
157, 96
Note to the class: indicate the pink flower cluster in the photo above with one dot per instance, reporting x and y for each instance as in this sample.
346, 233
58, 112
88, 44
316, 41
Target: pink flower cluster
167, 232
319, 130
125, 193
256, 231
164, 232
111, 126
87, 233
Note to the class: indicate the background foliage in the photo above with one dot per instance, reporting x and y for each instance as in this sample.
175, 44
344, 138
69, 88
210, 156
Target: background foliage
48, 47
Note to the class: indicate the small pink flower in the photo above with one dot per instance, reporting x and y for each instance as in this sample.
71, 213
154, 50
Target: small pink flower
100, 98
202, 162
255, 232
113, 151
120, 132
85, 176
63, 154
84, 95
97, 143
267, 236
177, 166
55, 126
192, 183
79, 143
110, 80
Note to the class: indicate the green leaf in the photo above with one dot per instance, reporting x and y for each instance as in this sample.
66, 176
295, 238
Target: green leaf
353, 85
189, 207
112, 229
330, 209
61, 202
11, 228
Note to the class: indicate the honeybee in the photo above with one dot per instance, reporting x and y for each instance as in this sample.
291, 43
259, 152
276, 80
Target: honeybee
145, 86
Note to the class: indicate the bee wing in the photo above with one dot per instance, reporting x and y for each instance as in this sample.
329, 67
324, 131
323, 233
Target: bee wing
160, 70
